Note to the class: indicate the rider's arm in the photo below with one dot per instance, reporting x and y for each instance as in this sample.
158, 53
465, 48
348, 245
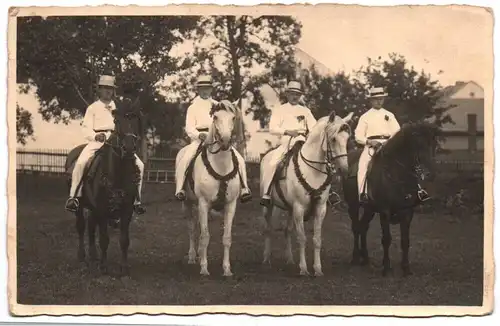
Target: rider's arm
276, 122
394, 124
190, 127
360, 132
310, 119
88, 124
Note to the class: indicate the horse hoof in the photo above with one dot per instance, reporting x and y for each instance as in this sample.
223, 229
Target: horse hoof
304, 273
204, 273
228, 274
407, 272
364, 261
290, 262
318, 273
355, 261
191, 261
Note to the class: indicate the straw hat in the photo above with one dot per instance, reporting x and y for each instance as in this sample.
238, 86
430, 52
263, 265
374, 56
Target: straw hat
294, 87
375, 92
204, 80
106, 80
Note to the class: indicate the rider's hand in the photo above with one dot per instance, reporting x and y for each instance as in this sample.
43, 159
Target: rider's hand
373, 143
292, 133
100, 137
202, 136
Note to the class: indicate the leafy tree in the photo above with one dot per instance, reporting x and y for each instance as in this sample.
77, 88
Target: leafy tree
64, 57
239, 52
24, 127
413, 96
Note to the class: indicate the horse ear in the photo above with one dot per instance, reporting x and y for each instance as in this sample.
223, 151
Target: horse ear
332, 116
348, 117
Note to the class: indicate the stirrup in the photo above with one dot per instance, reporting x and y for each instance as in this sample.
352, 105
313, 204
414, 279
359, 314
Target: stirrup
77, 203
337, 198
423, 195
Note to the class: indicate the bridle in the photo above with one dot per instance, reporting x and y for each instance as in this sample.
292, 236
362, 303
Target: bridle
330, 157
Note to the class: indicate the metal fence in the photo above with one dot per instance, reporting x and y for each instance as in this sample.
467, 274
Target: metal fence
162, 170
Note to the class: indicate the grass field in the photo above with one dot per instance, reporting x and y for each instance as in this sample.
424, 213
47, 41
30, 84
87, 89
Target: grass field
446, 255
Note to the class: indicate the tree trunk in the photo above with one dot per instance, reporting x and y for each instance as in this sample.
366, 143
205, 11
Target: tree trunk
236, 84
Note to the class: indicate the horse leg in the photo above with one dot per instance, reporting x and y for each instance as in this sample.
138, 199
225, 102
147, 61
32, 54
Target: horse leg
298, 217
405, 222
288, 236
204, 235
363, 226
386, 241
92, 225
103, 244
318, 223
226, 238
125, 243
354, 215
80, 227
268, 228
191, 230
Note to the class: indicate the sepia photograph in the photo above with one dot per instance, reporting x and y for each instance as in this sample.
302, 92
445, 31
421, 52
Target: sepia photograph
269, 160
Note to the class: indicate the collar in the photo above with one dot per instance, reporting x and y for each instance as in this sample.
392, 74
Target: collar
111, 106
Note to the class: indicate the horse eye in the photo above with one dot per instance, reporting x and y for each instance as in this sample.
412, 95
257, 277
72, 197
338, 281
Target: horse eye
215, 117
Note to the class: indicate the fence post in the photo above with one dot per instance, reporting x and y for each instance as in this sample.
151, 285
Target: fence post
472, 131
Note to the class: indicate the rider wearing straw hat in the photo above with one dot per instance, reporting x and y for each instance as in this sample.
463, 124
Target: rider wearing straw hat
374, 128
198, 121
292, 122
98, 124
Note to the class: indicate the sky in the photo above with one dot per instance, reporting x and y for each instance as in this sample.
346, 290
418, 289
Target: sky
455, 41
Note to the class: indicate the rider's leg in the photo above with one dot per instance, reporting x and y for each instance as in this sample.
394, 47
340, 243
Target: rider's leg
87, 153
181, 167
364, 159
139, 209
269, 172
245, 189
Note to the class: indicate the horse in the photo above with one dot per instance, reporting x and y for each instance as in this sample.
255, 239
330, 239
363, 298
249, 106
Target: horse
393, 188
304, 191
213, 185
109, 188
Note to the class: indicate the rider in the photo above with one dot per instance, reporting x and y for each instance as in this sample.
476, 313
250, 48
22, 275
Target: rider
291, 121
374, 128
198, 121
98, 124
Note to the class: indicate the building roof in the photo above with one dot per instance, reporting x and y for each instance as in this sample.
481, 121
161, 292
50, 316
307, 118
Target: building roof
450, 90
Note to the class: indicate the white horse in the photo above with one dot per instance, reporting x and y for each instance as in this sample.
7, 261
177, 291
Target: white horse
214, 186
304, 191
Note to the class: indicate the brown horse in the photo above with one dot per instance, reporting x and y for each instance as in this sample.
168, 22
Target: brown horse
109, 188
393, 189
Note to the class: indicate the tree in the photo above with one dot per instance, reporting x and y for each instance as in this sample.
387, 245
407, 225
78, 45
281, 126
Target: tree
413, 96
24, 127
64, 56
239, 52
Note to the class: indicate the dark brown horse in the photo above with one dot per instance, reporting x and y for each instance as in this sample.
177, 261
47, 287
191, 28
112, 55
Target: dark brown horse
109, 188
393, 186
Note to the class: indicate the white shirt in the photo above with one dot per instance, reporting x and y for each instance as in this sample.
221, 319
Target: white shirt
376, 123
98, 117
286, 117
198, 116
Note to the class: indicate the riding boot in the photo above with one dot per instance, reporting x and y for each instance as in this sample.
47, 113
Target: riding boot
139, 209
72, 204
181, 195
363, 198
246, 195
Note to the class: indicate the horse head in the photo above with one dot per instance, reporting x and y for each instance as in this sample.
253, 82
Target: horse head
223, 122
414, 146
334, 133
127, 120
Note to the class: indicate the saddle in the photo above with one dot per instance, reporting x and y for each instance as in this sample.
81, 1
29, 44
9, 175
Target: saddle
281, 169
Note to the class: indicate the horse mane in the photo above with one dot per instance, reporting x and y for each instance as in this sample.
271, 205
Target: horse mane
407, 137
